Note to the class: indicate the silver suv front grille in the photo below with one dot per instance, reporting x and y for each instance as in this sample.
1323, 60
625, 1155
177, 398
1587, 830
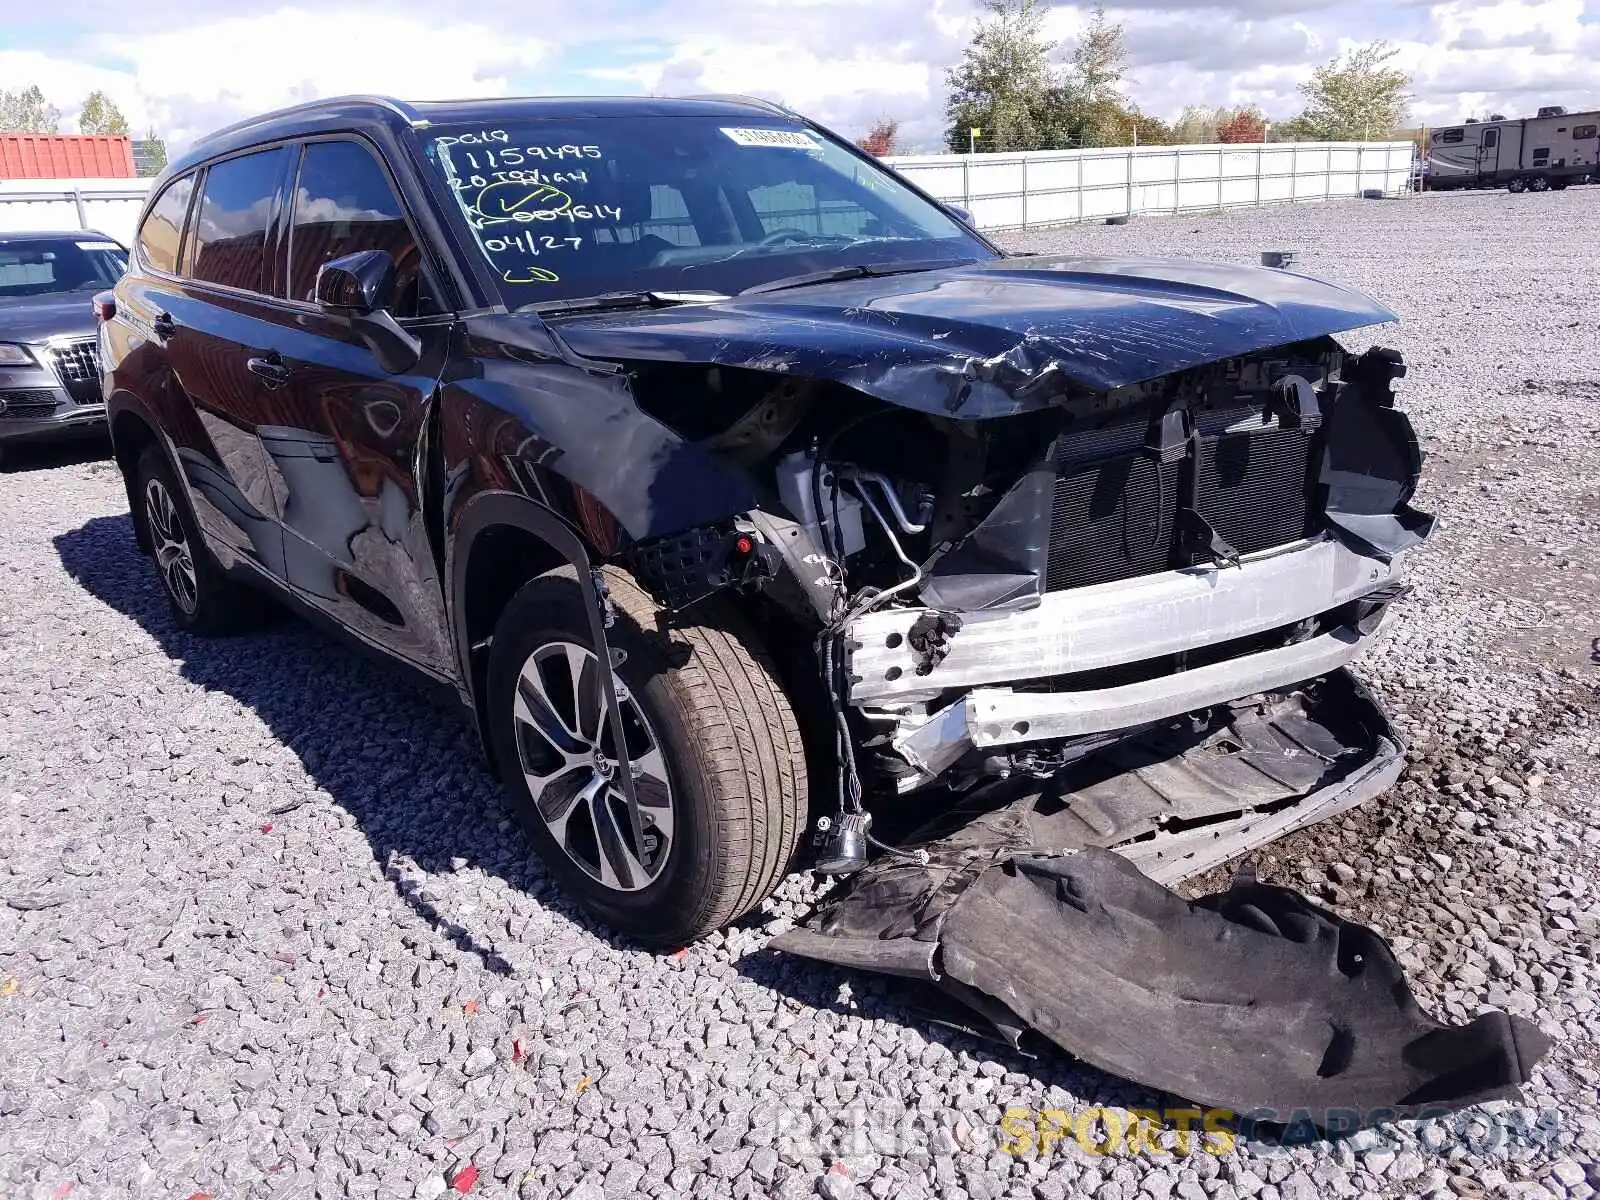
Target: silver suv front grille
78, 364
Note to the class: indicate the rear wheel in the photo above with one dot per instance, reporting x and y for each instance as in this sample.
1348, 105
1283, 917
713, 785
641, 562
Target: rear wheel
202, 598
718, 769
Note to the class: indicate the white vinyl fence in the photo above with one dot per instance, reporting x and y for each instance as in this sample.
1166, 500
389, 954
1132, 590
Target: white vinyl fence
1063, 187
1001, 191
110, 206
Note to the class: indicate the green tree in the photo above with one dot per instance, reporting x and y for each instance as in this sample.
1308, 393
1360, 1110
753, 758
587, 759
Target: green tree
101, 115
1148, 131
27, 111
1355, 98
150, 154
1100, 60
1087, 107
1197, 126
1002, 83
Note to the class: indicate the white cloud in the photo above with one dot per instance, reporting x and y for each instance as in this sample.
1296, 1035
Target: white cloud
194, 78
65, 83
838, 60
1509, 57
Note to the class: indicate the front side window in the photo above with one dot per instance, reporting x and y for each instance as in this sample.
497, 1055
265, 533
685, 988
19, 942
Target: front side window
343, 204
35, 266
571, 207
230, 229
161, 234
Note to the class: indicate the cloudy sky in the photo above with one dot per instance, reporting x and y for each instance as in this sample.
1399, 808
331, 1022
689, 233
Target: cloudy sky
842, 61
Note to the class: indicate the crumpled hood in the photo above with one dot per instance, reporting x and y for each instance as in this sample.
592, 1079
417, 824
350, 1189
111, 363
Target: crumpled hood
39, 318
991, 338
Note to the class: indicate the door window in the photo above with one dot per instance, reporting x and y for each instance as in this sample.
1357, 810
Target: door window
230, 232
343, 204
161, 233
1491, 139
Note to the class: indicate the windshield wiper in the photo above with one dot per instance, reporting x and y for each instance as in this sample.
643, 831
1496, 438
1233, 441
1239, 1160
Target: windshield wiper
854, 271
621, 300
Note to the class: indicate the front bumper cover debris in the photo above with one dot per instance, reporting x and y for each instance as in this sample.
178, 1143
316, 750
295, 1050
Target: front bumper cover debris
1029, 911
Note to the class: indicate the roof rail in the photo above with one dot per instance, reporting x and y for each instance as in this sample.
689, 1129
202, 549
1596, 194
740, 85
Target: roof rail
398, 107
772, 106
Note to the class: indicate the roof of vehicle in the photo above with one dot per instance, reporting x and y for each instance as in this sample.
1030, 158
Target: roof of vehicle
345, 112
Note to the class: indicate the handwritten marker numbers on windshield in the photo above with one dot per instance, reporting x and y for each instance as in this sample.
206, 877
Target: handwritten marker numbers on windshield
519, 201
530, 275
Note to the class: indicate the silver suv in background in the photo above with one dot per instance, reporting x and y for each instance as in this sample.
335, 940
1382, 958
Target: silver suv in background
49, 354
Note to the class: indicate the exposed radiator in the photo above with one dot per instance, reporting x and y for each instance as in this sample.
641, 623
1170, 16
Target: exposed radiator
1114, 506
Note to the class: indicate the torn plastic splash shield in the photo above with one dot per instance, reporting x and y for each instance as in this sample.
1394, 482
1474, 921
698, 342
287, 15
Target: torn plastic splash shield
1253, 999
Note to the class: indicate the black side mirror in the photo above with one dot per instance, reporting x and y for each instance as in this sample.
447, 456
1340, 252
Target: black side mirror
357, 284
359, 288
960, 214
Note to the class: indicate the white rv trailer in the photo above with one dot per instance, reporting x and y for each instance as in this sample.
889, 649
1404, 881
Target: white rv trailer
1551, 150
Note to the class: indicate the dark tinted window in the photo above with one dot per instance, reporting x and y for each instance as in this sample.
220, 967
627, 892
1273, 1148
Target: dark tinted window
1584, 131
342, 204
1450, 136
33, 266
230, 232
162, 231
1491, 139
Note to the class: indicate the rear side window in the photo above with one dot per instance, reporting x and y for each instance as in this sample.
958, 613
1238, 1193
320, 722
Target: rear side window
161, 234
1449, 136
343, 204
1581, 132
230, 231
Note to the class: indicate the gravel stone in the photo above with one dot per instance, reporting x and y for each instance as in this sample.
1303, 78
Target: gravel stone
273, 932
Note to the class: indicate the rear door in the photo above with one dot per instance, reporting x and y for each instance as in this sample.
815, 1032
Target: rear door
216, 325
348, 446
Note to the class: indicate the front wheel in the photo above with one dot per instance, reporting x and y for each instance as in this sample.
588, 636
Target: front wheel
718, 769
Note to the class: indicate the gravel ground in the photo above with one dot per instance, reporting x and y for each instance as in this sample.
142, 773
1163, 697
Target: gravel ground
243, 953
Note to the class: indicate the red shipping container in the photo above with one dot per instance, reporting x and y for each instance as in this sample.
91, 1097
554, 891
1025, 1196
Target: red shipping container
65, 156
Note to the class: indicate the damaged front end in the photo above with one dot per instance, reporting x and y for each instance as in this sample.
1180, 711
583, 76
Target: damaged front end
1095, 629
1013, 596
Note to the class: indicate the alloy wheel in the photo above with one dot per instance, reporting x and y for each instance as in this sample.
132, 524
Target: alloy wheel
569, 759
174, 558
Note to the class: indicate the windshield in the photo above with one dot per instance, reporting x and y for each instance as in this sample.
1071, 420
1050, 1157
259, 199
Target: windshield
47, 266
582, 206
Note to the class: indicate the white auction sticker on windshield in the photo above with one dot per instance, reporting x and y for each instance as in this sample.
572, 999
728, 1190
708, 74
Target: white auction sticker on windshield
785, 139
98, 246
